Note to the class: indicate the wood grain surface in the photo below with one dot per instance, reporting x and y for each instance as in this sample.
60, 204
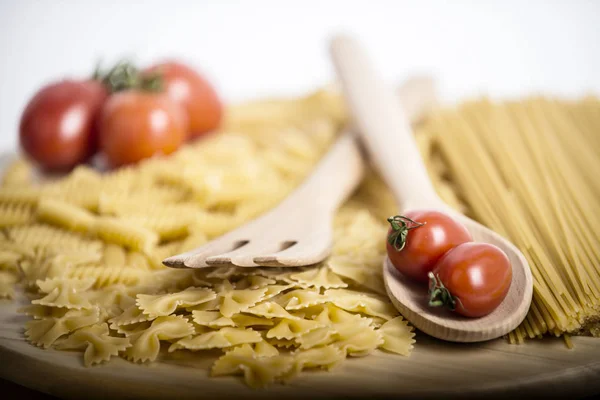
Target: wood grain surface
435, 369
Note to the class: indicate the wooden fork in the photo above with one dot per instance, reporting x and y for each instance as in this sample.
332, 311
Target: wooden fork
299, 230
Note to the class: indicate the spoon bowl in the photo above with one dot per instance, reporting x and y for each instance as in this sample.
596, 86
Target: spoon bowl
389, 141
411, 298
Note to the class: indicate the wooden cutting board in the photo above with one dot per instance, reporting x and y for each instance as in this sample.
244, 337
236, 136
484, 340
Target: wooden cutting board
435, 369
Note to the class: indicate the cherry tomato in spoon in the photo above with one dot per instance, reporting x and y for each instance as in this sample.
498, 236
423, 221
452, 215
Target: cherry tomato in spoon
419, 238
58, 127
471, 279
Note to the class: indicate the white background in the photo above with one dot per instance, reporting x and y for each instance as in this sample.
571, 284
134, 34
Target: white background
256, 48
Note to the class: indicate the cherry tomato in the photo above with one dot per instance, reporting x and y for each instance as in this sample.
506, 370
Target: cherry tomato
421, 238
137, 124
472, 279
194, 93
58, 127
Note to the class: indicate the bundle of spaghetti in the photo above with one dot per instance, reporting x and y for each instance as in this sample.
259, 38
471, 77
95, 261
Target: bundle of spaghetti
526, 170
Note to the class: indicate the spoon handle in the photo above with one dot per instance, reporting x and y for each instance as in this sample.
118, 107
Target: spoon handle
384, 127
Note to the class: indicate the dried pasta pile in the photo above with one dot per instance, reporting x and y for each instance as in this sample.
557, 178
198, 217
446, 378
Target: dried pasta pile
529, 170
88, 248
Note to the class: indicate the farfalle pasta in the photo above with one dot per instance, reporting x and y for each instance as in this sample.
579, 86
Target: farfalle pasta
292, 328
398, 336
255, 282
357, 340
166, 304
262, 349
132, 329
273, 291
301, 298
257, 371
269, 309
89, 247
98, 344
118, 295
64, 293
145, 344
358, 272
235, 301
218, 339
324, 357
245, 320
131, 315
211, 319
44, 332
362, 303
334, 322
318, 277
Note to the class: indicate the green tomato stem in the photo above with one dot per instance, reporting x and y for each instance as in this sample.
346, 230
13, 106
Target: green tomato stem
124, 76
439, 295
400, 227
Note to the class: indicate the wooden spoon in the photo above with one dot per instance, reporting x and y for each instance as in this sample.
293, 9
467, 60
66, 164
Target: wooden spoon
388, 138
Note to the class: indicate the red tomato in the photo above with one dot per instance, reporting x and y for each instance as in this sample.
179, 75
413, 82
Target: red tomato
419, 244
135, 125
194, 93
58, 126
472, 279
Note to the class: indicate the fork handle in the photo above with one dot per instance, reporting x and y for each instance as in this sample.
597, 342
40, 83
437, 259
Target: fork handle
334, 178
384, 128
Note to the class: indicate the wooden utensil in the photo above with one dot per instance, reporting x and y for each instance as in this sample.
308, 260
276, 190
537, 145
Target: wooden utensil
299, 230
387, 135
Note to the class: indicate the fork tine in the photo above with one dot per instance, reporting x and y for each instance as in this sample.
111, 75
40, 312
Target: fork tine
304, 253
244, 256
196, 258
226, 258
